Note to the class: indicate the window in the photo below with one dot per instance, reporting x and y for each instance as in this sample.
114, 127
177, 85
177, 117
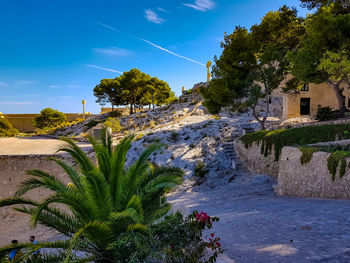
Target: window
305, 87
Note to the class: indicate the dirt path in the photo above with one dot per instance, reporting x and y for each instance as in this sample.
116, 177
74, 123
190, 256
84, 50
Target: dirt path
256, 226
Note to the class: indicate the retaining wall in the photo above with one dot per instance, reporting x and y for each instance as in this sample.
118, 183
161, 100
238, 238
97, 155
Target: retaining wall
294, 179
15, 225
312, 179
255, 161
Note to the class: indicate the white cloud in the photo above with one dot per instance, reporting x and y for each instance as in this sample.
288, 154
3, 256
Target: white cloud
144, 40
162, 10
102, 68
24, 82
3, 84
54, 86
170, 52
19, 103
113, 51
74, 86
202, 5
153, 17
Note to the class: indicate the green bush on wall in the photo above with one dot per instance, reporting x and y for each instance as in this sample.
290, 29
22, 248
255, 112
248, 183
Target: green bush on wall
278, 139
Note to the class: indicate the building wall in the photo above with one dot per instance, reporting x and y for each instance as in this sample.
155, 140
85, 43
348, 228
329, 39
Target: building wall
24, 122
319, 94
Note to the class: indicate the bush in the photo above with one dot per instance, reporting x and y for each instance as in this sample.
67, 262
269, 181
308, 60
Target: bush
174, 136
49, 118
6, 129
325, 113
93, 123
180, 239
115, 114
200, 170
114, 124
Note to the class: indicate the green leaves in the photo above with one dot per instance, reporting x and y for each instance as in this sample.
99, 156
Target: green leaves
48, 118
135, 88
105, 204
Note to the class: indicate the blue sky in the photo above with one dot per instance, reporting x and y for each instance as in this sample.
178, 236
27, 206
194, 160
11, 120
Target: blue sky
54, 52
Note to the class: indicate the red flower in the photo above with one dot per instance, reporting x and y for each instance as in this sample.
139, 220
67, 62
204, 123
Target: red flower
212, 234
202, 217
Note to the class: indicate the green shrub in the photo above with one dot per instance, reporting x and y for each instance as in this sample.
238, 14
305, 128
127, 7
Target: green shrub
114, 124
115, 114
333, 162
199, 170
49, 118
307, 153
325, 113
174, 136
178, 239
93, 123
6, 129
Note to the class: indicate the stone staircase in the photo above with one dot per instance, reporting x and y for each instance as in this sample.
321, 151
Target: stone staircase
230, 152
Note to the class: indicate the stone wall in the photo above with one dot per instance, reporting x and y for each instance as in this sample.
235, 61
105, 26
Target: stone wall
15, 225
294, 179
24, 122
312, 179
255, 161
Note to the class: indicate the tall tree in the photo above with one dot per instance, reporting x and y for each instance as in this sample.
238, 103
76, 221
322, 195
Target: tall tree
133, 88
109, 91
340, 6
134, 83
324, 55
157, 93
252, 58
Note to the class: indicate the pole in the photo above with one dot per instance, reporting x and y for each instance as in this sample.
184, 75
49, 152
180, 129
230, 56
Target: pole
83, 102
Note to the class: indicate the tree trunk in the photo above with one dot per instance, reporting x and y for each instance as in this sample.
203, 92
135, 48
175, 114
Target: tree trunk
112, 107
339, 94
131, 109
153, 106
261, 122
149, 106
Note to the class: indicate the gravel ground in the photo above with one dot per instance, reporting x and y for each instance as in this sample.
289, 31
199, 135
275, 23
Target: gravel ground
257, 226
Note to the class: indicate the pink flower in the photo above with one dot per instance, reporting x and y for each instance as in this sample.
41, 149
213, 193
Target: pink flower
202, 217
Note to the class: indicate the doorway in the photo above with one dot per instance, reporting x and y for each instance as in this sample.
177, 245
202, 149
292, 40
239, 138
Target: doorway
305, 106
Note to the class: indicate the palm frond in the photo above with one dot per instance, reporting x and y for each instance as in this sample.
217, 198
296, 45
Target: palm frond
117, 177
77, 154
70, 171
43, 179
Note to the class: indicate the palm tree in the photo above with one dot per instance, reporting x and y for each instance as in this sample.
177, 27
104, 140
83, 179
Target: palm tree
108, 207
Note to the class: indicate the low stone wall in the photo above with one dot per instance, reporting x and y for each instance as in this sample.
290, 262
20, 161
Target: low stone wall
294, 179
312, 179
255, 161
15, 225
24, 122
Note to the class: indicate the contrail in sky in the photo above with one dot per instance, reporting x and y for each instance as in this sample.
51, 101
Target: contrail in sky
105, 69
148, 42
